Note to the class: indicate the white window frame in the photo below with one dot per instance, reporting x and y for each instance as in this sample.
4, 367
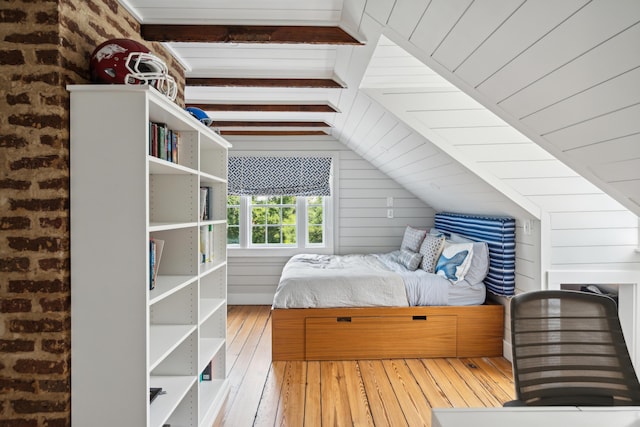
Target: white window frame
245, 249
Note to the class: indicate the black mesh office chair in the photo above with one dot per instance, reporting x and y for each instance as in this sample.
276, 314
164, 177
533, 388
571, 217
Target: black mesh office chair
568, 350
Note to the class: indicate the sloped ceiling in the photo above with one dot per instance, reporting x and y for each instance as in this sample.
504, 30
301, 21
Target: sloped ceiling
560, 81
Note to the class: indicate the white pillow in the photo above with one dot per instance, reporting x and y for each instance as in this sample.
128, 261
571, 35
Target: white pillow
412, 239
479, 265
409, 259
431, 249
455, 260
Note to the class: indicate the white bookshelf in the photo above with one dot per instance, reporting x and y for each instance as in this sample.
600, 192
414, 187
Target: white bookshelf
125, 337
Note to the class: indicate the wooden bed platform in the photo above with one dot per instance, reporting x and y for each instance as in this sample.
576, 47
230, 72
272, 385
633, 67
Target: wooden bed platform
387, 332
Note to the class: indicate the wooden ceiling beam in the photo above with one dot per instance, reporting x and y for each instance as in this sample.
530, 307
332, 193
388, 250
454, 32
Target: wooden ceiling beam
289, 108
247, 34
241, 124
272, 132
269, 83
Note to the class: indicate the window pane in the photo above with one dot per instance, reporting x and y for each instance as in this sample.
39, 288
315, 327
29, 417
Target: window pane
289, 234
258, 200
315, 234
288, 215
273, 216
233, 200
314, 215
233, 235
258, 236
273, 200
314, 200
258, 216
233, 216
289, 200
273, 235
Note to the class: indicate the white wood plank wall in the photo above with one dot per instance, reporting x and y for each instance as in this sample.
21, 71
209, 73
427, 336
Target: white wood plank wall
541, 69
362, 225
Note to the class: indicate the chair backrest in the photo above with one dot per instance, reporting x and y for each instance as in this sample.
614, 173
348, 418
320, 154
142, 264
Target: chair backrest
568, 350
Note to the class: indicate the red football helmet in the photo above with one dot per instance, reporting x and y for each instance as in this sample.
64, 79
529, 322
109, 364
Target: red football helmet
124, 61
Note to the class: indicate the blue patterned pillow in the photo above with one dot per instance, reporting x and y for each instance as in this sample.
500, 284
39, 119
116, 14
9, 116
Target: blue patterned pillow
412, 238
431, 249
409, 259
455, 260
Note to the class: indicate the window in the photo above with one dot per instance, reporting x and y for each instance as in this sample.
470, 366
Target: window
273, 220
285, 222
279, 205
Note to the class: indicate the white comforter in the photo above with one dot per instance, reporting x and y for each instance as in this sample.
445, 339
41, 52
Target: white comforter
310, 280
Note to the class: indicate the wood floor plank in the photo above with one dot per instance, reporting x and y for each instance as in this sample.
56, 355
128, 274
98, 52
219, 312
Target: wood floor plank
414, 404
497, 376
503, 365
486, 374
267, 411
239, 361
358, 403
449, 383
239, 339
429, 386
292, 396
383, 402
334, 395
312, 404
243, 401
236, 315
475, 384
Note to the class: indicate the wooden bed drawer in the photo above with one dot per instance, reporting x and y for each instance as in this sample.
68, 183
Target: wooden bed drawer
353, 337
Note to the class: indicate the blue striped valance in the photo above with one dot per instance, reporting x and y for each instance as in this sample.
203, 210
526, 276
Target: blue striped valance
272, 176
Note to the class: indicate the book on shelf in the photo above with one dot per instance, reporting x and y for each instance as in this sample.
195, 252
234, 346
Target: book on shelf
206, 373
205, 200
155, 253
164, 143
206, 244
155, 392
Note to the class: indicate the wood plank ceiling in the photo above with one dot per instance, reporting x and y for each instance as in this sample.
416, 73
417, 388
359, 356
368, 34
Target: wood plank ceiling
253, 73
565, 74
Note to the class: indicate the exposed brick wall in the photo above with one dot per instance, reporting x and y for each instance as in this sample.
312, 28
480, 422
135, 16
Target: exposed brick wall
45, 45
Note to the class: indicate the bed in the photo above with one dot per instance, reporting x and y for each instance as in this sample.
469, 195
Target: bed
378, 306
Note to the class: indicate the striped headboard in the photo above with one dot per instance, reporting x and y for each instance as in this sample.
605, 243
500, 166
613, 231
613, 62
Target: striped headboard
500, 235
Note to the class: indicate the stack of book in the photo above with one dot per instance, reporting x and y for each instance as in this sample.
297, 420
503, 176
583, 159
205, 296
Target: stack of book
163, 142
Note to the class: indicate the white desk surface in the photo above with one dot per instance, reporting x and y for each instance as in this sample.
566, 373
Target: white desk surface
537, 417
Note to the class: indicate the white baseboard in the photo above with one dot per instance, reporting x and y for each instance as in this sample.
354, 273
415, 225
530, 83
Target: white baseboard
249, 299
506, 351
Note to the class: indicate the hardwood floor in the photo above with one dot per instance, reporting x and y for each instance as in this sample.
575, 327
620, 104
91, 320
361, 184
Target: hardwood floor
399, 392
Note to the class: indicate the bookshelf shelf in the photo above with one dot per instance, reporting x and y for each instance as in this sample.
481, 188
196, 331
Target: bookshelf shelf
164, 167
167, 285
208, 306
210, 267
210, 391
163, 226
176, 388
210, 179
164, 339
209, 348
125, 202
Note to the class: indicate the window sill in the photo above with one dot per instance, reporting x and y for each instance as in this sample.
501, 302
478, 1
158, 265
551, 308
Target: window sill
275, 252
